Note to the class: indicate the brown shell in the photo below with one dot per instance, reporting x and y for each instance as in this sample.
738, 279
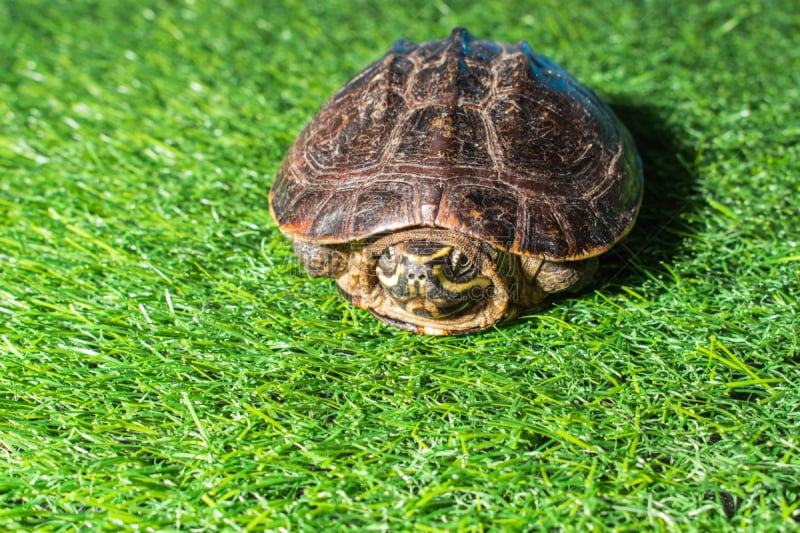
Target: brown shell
485, 138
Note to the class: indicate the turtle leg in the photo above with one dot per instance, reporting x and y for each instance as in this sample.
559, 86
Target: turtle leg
569, 276
321, 260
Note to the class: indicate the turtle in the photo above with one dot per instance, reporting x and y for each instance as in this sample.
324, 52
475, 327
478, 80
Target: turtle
455, 182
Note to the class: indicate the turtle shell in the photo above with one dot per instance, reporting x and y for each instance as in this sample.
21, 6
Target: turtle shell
485, 138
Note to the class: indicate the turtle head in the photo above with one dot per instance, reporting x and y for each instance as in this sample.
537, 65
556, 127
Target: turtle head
431, 279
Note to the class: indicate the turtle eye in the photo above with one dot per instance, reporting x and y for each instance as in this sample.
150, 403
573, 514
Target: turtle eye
460, 264
388, 261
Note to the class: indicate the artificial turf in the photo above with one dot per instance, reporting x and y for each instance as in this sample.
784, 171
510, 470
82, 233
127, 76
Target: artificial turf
165, 365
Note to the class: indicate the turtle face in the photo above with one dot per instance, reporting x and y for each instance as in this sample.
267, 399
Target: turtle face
431, 280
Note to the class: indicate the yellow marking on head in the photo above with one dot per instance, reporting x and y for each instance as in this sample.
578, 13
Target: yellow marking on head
424, 259
388, 281
461, 295
391, 281
452, 286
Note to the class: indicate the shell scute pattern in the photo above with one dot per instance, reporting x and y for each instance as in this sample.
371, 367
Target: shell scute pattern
354, 137
477, 206
383, 203
484, 138
440, 136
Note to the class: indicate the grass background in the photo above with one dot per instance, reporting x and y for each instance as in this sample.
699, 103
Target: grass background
166, 366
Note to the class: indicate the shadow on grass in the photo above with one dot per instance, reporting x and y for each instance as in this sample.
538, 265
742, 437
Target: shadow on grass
670, 193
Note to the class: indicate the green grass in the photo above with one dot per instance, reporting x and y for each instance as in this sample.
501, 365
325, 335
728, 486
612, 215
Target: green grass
166, 366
